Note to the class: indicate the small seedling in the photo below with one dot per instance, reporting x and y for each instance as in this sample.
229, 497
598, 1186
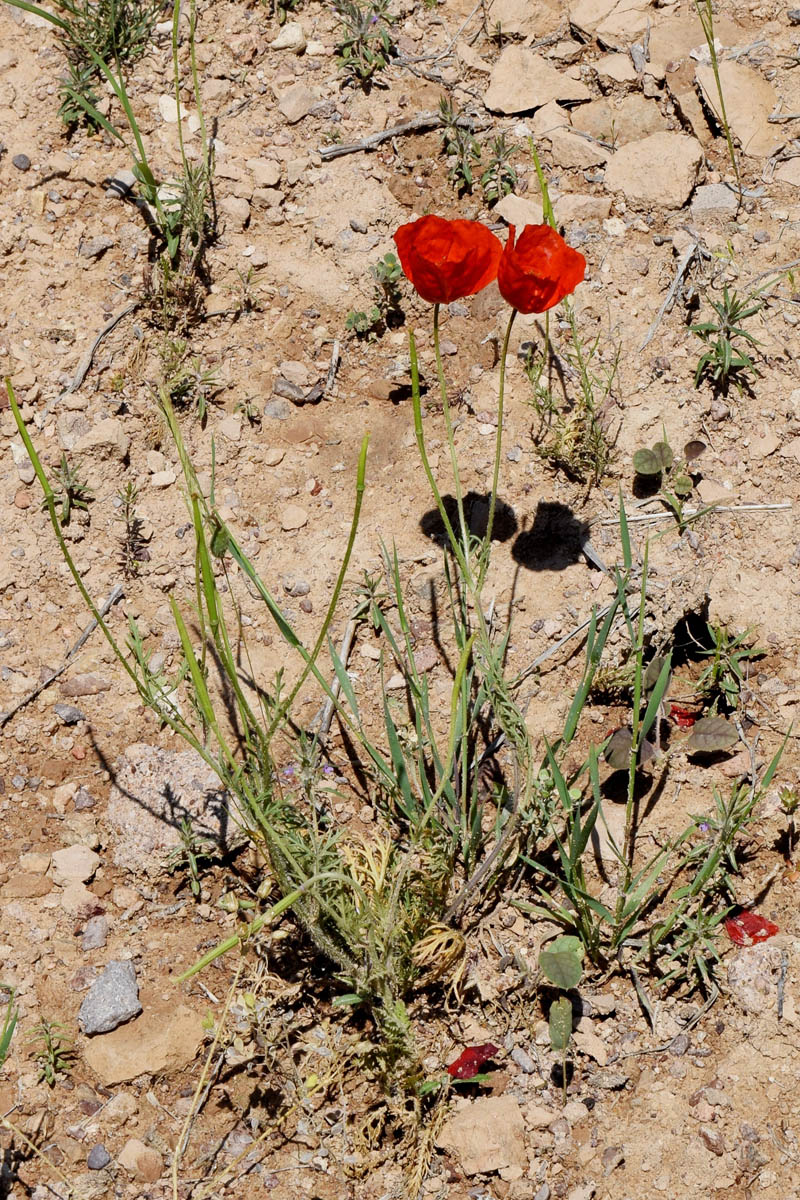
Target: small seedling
706, 14
562, 964
9, 1024
193, 854
69, 490
499, 177
725, 361
187, 382
728, 655
659, 464
133, 550
55, 1055
365, 46
385, 311
460, 146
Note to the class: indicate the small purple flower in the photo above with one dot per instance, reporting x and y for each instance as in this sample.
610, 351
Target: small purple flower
704, 826
327, 769
288, 772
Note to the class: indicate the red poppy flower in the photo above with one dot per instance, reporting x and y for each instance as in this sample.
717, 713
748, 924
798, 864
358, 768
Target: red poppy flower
747, 928
470, 1061
446, 260
539, 270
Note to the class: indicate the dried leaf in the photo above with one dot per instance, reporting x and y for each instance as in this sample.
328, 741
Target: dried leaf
618, 751
693, 450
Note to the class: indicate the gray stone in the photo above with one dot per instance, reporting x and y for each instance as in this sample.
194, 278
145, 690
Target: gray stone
98, 1158
68, 713
714, 198
95, 247
279, 410
112, 999
95, 933
120, 185
21, 162
523, 1060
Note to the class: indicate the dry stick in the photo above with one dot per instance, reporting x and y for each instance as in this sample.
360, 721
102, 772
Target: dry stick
88, 631
86, 361
426, 120
669, 299
333, 367
326, 713
693, 512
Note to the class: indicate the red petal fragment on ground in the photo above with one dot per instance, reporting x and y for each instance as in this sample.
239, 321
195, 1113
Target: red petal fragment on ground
747, 928
470, 1061
682, 717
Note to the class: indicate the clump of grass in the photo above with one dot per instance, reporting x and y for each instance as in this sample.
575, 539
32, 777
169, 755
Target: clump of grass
116, 31
725, 360
133, 546
706, 14
70, 490
187, 382
365, 45
54, 1053
459, 145
385, 311
498, 177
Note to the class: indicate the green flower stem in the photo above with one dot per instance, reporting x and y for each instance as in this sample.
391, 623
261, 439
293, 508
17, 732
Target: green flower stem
423, 453
487, 540
448, 423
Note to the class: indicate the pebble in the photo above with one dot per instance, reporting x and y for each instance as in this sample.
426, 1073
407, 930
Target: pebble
523, 1060
112, 999
141, 1160
358, 226
21, 162
296, 102
274, 456
95, 933
278, 409
74, 864
84, 800
291, 37
514, 454
163, 479
98, 1158
293, 517
68, 713
120, 185
95, 247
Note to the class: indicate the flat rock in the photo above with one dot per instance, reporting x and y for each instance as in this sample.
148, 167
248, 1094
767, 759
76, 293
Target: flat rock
519, 211
112, 999
753, 976
168, 107
141, 1161
659, 170
293, 517
525, 18
162, 1040
296, 102
74, 864
25, 885
616, 69
266, 172
714, 200
613, 22
672, 38
575, 207
84, 685
488, 1134
749, 100
291, 37
571, 150
521, 81
106, 439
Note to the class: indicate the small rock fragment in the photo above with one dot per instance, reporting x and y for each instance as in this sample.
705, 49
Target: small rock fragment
712, 1139
658, 171
296, 102
84, 685
95, 933
168, 107
98, 1158
95, 247
112, 999
21, 162
68, 713
293, 517
522, 80
120, 185
74, 864
141, 1161
107, 437
291, 37
486, 1135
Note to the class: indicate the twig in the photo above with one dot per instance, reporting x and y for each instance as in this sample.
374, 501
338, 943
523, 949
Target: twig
783, 117
669, 299
86, 362
88, 631
693, 512
333, 367
325, 716
425, 120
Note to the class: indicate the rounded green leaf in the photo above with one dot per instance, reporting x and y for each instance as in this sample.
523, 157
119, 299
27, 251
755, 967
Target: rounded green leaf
562, 962
646, 462
682, 486
663, 452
